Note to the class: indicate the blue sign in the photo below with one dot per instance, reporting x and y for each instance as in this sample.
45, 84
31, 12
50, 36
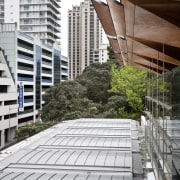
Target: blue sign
21, 97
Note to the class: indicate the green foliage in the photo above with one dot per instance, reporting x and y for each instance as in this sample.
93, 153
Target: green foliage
130, 82
66, 101
116, 101
29, 130
101, 91
96, 79
122, 113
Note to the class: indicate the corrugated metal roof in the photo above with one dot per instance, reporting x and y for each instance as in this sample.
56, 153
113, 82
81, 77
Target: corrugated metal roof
85, 149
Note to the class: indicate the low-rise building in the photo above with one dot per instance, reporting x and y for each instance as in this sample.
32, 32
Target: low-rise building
8, 104
35, 67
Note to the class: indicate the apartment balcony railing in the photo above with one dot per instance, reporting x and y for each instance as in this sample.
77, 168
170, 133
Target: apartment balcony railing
26, 111
64, 64
64, 72
28, 90
26, 68
46, 81
25, 35
25, 46
25, 79
28, 100
47, 54
46, 72
40, 2
47, 63
25, 57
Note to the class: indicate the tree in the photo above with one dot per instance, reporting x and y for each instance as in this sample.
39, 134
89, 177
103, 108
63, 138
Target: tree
67, 101
130, 82
96, 78
112, 57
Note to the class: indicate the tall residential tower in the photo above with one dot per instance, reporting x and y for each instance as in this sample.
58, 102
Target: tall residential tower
34, 17
84, 36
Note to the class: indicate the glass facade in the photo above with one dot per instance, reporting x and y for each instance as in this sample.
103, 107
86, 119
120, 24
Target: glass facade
162, 133
38, 77
57, 66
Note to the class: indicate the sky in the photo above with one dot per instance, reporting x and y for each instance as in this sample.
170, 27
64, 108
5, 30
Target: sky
65, 5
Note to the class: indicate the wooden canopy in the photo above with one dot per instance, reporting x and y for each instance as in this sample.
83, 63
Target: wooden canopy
143, 33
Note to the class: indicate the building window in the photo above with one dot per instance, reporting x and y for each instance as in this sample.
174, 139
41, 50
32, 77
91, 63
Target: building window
3, 89
26, 7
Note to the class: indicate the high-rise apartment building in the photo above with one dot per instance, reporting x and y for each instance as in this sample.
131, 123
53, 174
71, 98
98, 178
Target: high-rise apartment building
1, 11
40, 17
84, 36
34, 17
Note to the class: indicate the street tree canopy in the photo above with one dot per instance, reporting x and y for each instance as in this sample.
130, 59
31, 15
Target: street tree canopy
67, 100
102, 90
96, 79
130, 82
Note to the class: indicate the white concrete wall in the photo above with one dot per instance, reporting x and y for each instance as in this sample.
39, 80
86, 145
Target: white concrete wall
12, 11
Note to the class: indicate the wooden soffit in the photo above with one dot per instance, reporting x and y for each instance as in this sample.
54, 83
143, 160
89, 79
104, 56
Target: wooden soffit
166, 9
143, 33
115, 45
118, 18
104, 15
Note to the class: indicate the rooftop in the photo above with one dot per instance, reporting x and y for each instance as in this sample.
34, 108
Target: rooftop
86, 149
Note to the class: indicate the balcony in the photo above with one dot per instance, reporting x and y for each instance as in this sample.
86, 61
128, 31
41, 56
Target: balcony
26, 112
6, 81
25, 57
25, 46
64, 72
46, 81
25, 79
46, 72
53, 27
26, 36
47, 63
29, 100
47, 54
28, 90
25, 68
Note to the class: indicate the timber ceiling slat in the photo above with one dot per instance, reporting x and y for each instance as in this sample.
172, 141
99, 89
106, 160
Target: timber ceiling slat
144, 50
140, 2
166, 49
104, 16
114, 44
123, 45
161, 35
150, 28
117, 14
167, 65
147, 68
168, 11
152, 54
139, 66
145, 62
